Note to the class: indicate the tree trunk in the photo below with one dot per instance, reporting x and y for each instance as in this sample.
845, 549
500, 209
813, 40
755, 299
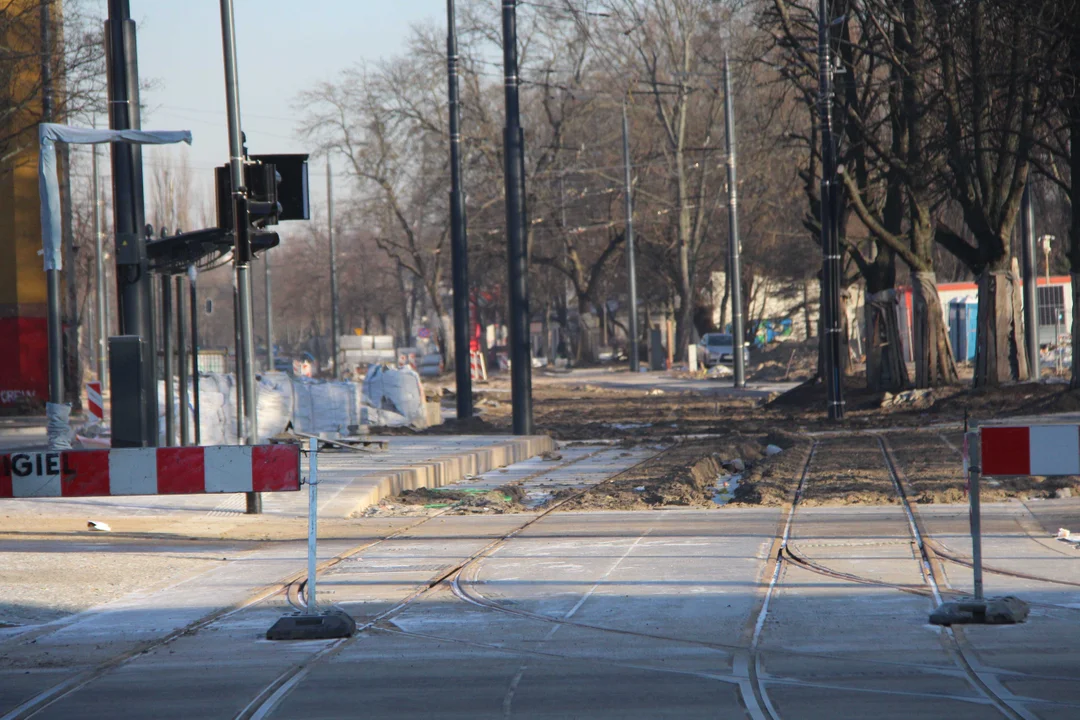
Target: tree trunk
934, 362
586, 348
722, 323
885, 367
845, 333
999, 353
684, 322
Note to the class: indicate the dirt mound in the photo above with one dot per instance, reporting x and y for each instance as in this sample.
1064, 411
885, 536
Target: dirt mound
784, 361
685, 475
426, 501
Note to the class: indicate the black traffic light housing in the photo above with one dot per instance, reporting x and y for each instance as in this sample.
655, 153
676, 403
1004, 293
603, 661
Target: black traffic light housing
277, 189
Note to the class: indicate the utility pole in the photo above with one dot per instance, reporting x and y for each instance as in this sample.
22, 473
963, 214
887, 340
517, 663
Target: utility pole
269, 313
459, 249
132, 273
52, 276
242, 251
830, 241
734, 269
518, 261
1027, 256
99, 273
631, 271
335, 321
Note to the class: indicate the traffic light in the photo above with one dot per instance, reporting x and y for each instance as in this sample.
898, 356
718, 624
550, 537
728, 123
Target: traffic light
277, 189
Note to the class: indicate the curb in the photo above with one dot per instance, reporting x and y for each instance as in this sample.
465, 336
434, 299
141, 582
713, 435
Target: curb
436, 473
21, 430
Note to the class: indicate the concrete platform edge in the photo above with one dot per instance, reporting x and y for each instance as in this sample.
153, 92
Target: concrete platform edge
436, 473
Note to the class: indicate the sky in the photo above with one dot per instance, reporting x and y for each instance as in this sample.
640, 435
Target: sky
283, 48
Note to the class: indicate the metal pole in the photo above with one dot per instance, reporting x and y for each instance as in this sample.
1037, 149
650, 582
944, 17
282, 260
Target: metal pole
182, 361
99, 273
459, 251
631, 272
269, 313
517, 257
1057, 340
152, 346
735, 277
313, 523
192, 275
52, 277
1027, 256
242, 252
829, 238
132, 274
239, 367
167, 347
975, 513
335, 327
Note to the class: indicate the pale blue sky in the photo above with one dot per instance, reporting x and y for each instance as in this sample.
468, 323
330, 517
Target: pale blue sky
283, 46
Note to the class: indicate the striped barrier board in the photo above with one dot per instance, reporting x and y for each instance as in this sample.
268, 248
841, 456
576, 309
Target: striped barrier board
150, 471
1042, 450
94, 403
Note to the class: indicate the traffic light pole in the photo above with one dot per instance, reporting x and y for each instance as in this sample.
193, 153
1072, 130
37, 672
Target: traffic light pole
459, 250
518, 261
734, 267
242, 250
132, 272
269, 313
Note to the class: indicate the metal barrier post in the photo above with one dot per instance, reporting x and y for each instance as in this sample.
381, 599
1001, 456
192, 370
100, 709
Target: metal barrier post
313, 520
310, 623
974, 471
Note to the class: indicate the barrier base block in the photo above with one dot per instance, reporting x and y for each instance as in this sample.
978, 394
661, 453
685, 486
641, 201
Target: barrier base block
1006, 610
327, 625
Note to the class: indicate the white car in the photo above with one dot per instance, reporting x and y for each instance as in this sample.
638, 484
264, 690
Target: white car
715, 348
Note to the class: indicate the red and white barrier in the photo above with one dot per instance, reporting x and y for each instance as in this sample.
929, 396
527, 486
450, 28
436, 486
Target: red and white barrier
477, 366
1030, 450
150, 471
94, 402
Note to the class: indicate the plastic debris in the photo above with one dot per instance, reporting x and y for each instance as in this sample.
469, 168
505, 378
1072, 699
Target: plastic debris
771, 450
655, 391
1067, 536
639, 488
98, 526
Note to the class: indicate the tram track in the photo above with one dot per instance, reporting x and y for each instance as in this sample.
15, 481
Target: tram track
460, 579
291, 587
983, 680
273, 694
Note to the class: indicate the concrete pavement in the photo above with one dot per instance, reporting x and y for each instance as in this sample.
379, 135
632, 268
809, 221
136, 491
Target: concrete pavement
597, 615
584, 614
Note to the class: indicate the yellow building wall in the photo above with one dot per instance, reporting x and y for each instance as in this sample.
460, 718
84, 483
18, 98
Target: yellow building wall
23, 335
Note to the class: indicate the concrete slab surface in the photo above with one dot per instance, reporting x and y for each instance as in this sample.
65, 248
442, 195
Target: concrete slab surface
587, 615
